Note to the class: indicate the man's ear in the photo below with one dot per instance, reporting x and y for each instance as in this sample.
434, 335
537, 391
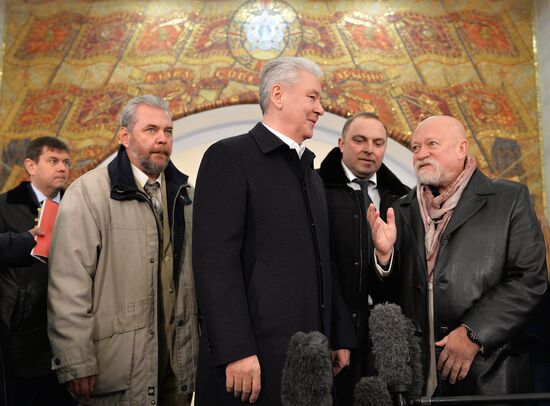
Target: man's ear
341, 144
277, 96
123, 136
30, 166
463, 147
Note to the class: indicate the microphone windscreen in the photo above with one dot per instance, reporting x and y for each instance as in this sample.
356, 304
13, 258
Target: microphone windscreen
372, 391
307, 373
389, 332
415, 362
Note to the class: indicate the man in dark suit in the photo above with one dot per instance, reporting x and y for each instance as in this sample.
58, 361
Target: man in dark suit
261, 246
354, 176
23, 280
469, 265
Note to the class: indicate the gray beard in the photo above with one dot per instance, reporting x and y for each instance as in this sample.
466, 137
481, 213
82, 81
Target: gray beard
151, 169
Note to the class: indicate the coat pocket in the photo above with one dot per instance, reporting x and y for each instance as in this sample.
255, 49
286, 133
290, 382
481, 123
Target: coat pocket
114, 362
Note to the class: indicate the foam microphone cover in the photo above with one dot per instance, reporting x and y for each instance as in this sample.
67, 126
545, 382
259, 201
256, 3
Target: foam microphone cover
390, 331
307, 373
415, 362
372, 391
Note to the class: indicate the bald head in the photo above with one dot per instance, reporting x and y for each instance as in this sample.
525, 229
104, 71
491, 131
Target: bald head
440, 148
447, 125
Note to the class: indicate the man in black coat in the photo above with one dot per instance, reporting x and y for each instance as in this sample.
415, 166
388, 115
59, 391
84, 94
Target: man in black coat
358, 158
261, 246
469, 264
23, 289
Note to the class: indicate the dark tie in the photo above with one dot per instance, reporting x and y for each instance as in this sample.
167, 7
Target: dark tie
151, 188
364, 184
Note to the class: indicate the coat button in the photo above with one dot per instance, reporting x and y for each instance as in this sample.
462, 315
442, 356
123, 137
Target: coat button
151, 331
354, 315
444, 330
57, 361
184, 388
152, 260
356, 263
180, 323
443, 281
153, 402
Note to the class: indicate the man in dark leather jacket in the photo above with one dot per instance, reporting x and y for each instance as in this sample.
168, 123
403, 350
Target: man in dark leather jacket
469, 264
23, 288
359, 156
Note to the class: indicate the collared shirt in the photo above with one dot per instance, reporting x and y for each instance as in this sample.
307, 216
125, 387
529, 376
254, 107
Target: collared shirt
41, 196
373, 185
299, 148
143, 178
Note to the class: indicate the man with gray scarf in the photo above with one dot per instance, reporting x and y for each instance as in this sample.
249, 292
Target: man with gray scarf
467, 257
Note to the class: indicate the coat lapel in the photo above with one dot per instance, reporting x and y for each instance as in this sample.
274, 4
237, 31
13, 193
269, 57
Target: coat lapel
472, 200
411, 217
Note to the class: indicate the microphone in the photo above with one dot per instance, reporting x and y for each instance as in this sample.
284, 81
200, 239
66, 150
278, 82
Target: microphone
372, 391
393, 339
307, 374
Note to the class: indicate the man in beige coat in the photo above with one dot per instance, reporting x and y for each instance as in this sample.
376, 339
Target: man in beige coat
122, 317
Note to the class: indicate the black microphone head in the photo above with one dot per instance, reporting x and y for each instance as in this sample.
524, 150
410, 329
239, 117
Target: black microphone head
307, 373
415, 362
389, 332
372, 391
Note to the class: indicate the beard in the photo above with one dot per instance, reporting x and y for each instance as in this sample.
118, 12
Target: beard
151, 168
144, 162
430, 179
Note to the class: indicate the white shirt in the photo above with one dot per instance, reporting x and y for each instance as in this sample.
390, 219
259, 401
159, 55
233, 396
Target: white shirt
373, 185
299, 148
41, 196
143, 178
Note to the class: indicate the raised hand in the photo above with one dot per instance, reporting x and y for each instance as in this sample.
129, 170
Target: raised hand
383, 234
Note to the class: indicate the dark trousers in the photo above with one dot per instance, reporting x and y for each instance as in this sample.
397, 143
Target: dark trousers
42, 391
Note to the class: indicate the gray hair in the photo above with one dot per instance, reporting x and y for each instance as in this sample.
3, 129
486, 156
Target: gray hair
283, 70
128, 113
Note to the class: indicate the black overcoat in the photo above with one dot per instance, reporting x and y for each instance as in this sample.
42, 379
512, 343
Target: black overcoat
23, 293
351, 251
490, 274
261, 261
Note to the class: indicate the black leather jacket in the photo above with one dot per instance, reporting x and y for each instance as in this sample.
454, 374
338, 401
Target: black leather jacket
23, 293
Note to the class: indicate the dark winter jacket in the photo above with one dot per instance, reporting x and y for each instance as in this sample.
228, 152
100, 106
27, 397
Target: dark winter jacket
352, 251
23, 289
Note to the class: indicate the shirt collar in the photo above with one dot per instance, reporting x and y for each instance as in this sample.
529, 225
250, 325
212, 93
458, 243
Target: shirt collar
142, 177
352, 177
41, 196
299, 148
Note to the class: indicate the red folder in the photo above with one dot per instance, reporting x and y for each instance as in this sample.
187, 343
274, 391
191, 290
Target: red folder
46, 222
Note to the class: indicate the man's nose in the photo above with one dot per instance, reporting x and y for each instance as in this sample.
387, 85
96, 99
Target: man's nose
421, 153
319, 108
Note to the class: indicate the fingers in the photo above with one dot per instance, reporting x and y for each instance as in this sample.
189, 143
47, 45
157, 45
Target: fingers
256, 387
372, 215
229, 382
442, 343
390, 217
242, 379
82, 387
36, 231
443, 357
340, 359
93, 380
